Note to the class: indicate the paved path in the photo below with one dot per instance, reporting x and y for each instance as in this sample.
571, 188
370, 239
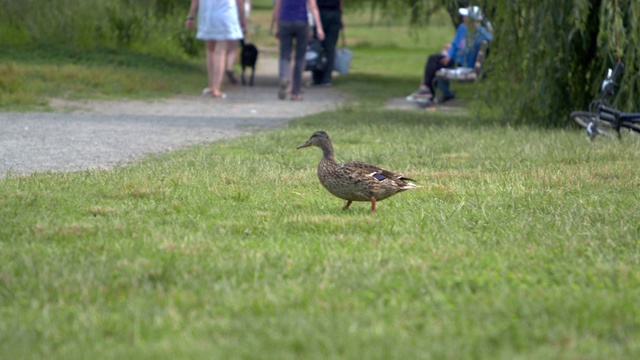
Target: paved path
102, 134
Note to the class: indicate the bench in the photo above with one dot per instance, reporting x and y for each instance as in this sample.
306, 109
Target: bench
445, 75
465, 74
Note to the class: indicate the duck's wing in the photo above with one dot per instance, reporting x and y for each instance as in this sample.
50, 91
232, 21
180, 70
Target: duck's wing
356, 170
376, 171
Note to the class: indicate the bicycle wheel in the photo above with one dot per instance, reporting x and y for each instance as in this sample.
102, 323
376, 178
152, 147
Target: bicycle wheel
593, 124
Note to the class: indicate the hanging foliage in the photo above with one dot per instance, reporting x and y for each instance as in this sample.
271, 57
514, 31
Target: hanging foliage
419, 12
553, 55
548, 57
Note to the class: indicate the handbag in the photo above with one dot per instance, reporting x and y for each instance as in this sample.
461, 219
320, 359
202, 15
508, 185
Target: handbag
343, 58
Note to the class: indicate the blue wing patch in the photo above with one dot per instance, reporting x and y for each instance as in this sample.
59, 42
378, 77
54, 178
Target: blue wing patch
379, 176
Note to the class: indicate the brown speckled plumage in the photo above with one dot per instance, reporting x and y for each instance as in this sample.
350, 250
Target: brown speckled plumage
355, 180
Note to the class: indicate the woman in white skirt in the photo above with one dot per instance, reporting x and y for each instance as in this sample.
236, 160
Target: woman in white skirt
220, 23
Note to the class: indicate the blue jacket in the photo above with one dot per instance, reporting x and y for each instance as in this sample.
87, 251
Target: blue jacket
480, 34
466, 55
456, 51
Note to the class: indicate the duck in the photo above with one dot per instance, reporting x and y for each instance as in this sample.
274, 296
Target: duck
355, 180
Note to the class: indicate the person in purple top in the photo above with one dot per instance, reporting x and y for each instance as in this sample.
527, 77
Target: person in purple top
290, 17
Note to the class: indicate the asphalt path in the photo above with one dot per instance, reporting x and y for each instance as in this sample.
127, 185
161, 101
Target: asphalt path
102, 134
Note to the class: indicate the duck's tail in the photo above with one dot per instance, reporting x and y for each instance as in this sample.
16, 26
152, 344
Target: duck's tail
409, 186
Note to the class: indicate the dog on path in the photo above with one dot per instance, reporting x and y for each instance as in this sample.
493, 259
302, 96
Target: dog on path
248, 58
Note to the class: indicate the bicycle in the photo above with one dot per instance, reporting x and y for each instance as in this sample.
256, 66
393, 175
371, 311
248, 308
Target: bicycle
601, 119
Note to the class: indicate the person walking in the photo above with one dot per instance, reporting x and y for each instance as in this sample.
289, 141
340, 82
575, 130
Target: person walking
290, 18
232, 52
331, 19
220, 24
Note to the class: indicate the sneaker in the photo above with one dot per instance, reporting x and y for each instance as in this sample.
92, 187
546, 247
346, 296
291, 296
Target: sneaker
423, 99
419, 96
282, 90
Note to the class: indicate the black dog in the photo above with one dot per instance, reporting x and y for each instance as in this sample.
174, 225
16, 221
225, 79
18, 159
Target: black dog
248, 58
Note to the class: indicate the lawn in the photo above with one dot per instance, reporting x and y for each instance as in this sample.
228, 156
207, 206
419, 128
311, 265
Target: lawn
520, 244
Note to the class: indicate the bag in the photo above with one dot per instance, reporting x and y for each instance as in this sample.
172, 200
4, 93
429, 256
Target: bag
343, 58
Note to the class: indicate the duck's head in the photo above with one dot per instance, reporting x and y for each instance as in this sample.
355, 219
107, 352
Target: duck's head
319, 139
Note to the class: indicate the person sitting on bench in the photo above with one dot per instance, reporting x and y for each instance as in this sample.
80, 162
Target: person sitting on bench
469, 71
453, 54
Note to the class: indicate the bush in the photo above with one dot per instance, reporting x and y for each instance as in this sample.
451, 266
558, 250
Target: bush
150, 25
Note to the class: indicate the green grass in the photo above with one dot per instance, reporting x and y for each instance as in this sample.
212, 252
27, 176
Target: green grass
521, 243
29, 77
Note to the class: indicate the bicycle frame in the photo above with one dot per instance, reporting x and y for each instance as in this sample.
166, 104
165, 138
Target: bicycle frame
619, 119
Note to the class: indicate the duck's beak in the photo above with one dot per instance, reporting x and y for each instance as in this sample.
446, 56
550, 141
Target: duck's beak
304, 145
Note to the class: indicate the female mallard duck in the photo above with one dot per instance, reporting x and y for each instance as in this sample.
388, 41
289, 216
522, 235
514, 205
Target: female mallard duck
355, 180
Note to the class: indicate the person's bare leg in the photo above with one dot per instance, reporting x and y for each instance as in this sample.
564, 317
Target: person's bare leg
211, 47
219, 54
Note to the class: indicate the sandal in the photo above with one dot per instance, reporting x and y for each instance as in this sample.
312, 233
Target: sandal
219, 95
296, 97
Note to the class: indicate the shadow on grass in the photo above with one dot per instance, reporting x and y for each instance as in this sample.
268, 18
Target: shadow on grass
363, 117
376, 88
54, 55
372, 91
32, 75
480, 107
380, 88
